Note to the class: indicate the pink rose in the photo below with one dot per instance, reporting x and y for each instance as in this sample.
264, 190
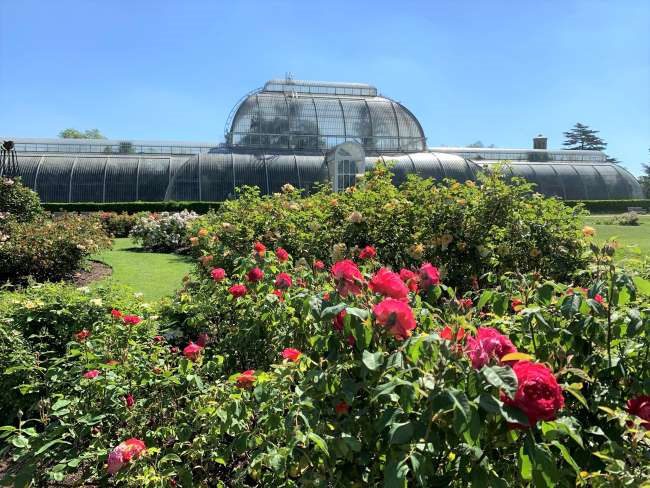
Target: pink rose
488, 344
347, 277
368, 252
218, 274
237, 290
129, 401
131, 319
123, 453
429, 275
337, 322
93, 373
255, 275
410, 278
281, 254
319, 265
538, 394
203, 339
259, 248
389, 284
246, 379
283, 281
192, 351
291, 354
396, 316
640, 406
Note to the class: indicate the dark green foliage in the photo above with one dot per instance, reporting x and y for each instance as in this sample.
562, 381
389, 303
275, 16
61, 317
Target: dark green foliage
17, 367
583, 138
17, 200
608, 206
132, 207
76, 134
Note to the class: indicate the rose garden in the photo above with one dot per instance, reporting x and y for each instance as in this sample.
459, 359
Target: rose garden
431, 334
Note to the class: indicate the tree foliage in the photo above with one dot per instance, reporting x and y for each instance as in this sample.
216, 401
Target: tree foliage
71, 133
644, 180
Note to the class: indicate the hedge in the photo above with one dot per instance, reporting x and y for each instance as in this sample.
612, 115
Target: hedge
610, 206
594, 206
131, 207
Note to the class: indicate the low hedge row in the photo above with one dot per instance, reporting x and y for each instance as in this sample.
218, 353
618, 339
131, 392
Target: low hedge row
594, 206
609, 206
131, 207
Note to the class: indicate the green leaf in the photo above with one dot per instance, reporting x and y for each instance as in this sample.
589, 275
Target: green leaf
20, 441
372, 360
500, 304
486, 296
320, 442
460, 403
357, 312
401, 433
642, 285
567, 457
47, 445
395, 474
332, 311
170, 457
525, 466
502, 377
545, 293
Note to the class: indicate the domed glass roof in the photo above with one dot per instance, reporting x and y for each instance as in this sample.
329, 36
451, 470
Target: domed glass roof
316, 116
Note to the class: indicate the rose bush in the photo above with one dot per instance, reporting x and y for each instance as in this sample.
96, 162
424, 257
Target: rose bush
466, 229
164, 231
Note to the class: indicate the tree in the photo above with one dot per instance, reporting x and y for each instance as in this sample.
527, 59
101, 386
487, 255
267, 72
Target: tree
644, 180
479, 144
76, 134
581, 137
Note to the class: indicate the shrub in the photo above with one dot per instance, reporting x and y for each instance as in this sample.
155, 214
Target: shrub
469, 229
628, 218
17, 367
48, 249
18, 201
131, 207
49, 314
164, 231
117, 224
362, 398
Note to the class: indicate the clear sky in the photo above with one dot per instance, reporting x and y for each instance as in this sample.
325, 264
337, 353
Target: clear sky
495, 71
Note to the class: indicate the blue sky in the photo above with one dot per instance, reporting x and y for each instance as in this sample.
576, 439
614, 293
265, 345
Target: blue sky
495, 71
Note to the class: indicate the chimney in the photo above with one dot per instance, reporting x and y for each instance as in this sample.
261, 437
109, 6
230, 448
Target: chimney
540, 142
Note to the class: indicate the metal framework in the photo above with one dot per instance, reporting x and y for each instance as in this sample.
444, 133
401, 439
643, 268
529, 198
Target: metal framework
313, 117
8, 159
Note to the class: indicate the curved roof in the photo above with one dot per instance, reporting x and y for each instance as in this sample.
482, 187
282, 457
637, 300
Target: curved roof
575, 181
316, 116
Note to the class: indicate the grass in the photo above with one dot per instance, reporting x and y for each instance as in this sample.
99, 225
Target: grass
630, 237
153, 274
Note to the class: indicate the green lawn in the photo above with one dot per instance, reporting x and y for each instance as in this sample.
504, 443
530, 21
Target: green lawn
153, 274
628, 236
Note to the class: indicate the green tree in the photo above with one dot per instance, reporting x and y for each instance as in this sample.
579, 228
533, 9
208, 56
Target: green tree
76, 134
645, 179
581, 137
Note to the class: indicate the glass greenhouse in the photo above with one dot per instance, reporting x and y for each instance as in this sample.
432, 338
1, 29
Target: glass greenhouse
303, 133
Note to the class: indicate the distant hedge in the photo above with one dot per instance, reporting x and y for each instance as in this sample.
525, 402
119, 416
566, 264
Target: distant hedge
610, 206
131, 207
594, 206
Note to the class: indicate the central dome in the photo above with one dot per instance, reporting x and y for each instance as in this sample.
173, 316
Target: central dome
314, 116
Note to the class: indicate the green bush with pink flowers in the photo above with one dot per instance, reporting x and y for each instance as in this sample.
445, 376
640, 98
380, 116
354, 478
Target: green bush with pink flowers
283, 372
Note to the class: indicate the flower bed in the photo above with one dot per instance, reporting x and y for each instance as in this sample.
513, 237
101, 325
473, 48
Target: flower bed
279, 372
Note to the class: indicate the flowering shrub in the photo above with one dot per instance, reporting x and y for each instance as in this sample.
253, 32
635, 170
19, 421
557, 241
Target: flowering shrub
335, 382
17, 201
46, 249
466, 229
164, 231
118, 224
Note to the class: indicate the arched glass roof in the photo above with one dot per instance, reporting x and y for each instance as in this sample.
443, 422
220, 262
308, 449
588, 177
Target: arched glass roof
576, 181
316, 116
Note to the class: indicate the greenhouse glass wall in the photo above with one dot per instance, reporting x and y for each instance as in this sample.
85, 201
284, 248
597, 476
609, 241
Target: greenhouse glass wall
289, 131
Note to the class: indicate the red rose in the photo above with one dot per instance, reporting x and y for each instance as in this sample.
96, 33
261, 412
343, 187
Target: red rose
255, 275
93, 373
342, 408
281, 254
640, 406
279, 294
368, 252
203, 339
326, 297
291, 354
131, 319
192, 351
218, 274
337, 321
389, 284
396, 316
129, 401
283, 281
538, 394
116, 314
82, 335
246, 379
488, 344
158, 338
347, 277
319, 265
174, 350
410, 278
123, 453
259, 248
237, 290
599, 298
447, 334
465, 303
516, 304
429, 275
